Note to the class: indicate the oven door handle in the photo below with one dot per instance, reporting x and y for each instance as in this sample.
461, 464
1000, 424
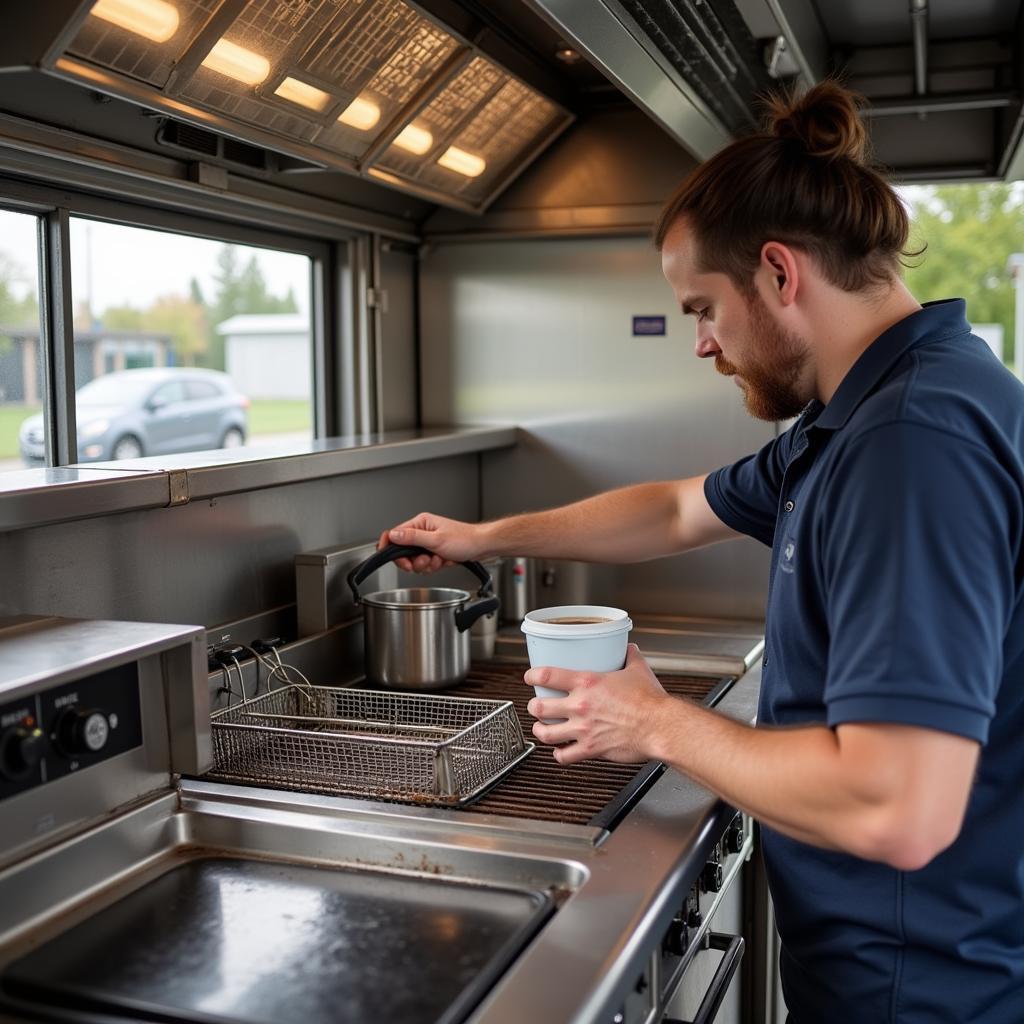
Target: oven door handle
732, 947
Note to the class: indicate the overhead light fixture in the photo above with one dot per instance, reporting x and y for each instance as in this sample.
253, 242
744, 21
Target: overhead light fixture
567, 55
461, 162
237, 62
361, 114
305, 95
155, 20
415, 140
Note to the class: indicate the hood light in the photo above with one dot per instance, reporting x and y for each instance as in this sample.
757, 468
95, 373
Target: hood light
156, 20
237, 62
461, 162
303, 94
361, 114
415, 140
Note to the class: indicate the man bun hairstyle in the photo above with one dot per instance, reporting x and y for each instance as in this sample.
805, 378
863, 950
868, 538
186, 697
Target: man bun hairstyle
806, 181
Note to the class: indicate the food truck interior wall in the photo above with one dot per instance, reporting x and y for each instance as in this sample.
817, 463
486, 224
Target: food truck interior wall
520, 316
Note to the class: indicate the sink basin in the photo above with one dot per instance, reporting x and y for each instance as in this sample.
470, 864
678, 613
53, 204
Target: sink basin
224, 938
220, 903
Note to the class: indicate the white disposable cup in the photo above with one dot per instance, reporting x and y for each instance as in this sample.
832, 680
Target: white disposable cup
583, 647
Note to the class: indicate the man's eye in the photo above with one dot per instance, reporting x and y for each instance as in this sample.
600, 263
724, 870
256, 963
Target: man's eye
702, 314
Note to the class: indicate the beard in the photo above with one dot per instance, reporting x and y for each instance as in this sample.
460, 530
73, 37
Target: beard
771, 378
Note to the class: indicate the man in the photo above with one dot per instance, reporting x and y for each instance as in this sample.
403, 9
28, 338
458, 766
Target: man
888, 760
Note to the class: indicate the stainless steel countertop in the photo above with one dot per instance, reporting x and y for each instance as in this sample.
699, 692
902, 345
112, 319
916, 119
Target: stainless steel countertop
33, 497
618, 891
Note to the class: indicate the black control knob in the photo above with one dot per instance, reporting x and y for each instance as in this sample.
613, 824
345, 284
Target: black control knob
694, 918
711, 876
82, 732
734, 835
677, 937
21, 749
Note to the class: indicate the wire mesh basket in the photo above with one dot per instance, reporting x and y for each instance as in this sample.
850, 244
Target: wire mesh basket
397, 746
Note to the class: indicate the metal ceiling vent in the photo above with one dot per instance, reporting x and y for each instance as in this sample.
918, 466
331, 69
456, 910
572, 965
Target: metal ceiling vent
373, 87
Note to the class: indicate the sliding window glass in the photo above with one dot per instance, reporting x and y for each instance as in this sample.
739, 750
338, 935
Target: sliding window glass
22, 441
187, 344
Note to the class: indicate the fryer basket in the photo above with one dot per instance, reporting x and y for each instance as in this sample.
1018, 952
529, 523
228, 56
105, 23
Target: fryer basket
392, 746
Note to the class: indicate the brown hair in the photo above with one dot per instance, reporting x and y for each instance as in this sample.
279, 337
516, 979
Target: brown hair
804, 181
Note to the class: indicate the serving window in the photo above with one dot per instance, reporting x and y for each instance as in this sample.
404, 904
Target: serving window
129, 332
21, 363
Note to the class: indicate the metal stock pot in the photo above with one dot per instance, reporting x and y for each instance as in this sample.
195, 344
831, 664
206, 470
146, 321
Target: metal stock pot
418, 638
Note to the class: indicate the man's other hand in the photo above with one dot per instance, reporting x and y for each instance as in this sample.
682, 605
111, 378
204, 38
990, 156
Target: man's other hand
607, 715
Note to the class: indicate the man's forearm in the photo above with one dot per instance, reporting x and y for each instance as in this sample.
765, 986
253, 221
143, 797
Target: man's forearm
631, 524
798, 781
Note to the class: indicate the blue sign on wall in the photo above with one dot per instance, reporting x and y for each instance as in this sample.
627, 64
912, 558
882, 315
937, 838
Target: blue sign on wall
648, 326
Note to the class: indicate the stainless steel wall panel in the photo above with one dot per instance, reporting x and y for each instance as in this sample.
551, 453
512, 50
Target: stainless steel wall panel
398, 339
217, 560
539, 333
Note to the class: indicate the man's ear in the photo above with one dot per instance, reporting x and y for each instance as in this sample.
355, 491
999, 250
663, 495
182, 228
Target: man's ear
780, 272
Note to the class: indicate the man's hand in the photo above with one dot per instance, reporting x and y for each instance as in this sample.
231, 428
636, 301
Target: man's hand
608, 714
449, 540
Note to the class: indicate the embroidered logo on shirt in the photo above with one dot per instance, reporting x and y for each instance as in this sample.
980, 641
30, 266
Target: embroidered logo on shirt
786, 562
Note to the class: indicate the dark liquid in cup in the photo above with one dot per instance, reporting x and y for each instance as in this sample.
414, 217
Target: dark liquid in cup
578, 621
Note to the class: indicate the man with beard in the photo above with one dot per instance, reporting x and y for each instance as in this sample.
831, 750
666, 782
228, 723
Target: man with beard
887, 764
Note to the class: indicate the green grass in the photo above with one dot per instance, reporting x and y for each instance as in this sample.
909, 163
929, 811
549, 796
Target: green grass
280, 416
11, 417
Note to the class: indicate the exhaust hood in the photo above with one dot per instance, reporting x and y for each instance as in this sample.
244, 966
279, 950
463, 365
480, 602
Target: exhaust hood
377, 88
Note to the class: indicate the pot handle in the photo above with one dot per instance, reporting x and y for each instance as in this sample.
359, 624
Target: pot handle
465, 617
394, 551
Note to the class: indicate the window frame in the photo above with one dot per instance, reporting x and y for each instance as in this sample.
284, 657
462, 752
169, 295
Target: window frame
54, 209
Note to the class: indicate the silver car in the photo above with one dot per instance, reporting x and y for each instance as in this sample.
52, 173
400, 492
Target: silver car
131, 413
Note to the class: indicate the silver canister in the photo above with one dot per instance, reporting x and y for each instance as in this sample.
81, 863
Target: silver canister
517, 589
484, 634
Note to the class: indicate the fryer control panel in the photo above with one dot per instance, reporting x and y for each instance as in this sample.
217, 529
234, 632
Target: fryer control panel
68, 728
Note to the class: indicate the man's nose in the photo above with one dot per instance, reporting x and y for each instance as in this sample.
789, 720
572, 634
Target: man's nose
706, 344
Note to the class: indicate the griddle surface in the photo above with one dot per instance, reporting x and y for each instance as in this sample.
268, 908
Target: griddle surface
221, 939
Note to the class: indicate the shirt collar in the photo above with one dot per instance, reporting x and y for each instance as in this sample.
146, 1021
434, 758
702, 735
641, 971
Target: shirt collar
933, 322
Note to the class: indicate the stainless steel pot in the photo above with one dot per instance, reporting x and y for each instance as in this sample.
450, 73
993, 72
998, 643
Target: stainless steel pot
418, 638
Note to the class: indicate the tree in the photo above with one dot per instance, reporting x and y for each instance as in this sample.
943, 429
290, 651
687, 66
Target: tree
969, 231
19, 306
239, 289
186, 323
123, 318
182, 319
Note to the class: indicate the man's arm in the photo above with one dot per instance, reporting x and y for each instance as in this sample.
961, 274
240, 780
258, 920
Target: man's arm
632, 524
891, 793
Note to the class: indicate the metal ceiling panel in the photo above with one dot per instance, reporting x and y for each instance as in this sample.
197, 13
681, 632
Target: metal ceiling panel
613, 41
371, 86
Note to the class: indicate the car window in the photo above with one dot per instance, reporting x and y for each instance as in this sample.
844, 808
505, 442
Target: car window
200, 390
173, 391
114, 389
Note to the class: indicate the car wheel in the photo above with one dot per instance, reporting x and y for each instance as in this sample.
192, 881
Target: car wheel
233, 438
127, 447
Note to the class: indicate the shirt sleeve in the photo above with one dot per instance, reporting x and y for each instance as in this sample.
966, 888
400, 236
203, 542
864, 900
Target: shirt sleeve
745, 495
918, 533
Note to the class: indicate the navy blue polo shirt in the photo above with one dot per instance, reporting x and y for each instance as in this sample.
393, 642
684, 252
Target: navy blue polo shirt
895, 515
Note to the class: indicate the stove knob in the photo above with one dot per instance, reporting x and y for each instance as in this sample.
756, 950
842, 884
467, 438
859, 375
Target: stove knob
82, 732
676, 938
711, 877
694, 918
21, 750
734, 836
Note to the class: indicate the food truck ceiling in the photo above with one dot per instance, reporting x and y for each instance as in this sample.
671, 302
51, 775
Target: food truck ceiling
450, 100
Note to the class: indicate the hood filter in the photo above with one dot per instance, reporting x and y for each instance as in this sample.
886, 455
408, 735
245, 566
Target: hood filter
371, 86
